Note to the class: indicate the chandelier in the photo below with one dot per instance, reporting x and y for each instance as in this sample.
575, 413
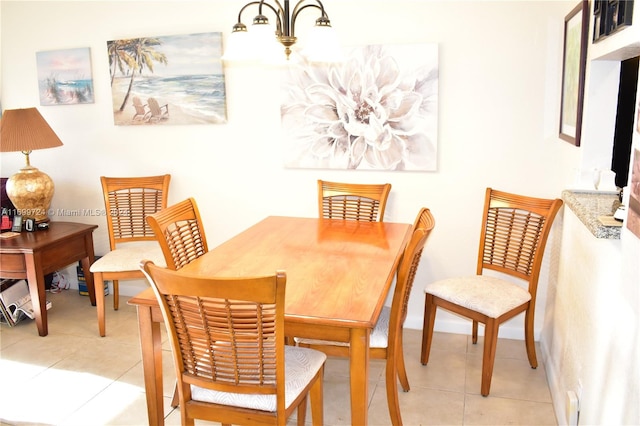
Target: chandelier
260, 42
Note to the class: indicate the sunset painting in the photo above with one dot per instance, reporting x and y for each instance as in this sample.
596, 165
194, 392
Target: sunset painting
64, 77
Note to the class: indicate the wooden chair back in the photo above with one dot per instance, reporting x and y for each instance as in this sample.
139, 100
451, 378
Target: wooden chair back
128, 201
352, 201
180, 233
422, 227
227, 334
514, 234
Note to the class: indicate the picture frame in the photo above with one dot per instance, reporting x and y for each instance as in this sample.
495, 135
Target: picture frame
353, 132
574, 62
65, 77
610, 16
178, 80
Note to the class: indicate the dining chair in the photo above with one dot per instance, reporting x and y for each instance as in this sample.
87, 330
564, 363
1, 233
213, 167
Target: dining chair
514, 233
128, 200
386, 337
180, 233
352, 201
230, 358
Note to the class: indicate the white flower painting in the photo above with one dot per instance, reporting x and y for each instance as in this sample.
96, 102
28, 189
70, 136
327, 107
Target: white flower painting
377, 110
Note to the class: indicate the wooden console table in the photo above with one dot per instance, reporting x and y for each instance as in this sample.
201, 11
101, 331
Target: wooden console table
32, 255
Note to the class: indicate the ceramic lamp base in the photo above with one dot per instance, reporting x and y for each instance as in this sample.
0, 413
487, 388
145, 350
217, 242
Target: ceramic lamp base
31, 192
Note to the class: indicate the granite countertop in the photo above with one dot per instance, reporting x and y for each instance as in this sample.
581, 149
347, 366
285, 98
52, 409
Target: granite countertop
588, 206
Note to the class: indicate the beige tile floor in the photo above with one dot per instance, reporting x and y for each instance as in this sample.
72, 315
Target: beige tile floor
74, 377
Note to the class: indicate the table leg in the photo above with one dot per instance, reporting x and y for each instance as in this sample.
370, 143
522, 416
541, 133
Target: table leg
151, 346
35, 278
359, 374
86, 265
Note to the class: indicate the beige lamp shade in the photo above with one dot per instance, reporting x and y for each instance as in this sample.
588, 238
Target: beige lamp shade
30, 190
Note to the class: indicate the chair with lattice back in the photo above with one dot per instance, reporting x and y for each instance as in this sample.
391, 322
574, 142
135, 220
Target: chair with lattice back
228, 345
352, 201
514, 233
180, 233
128, 201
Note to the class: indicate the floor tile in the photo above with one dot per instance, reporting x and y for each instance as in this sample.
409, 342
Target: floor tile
75, 377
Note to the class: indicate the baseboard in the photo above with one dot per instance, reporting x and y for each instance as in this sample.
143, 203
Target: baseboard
558, 397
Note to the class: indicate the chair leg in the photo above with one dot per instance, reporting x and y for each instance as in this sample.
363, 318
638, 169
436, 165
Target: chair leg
489, 354
98, 282
175, 401
427, 327
400, 367
474, 332
528, 338
302, 412
392, 392
116, 295
317, 403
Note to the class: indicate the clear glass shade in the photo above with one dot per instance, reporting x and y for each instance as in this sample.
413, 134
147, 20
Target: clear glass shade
322, 45
259, 43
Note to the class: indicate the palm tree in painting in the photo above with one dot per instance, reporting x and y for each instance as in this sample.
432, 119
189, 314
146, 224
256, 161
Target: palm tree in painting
117, 50
135, 54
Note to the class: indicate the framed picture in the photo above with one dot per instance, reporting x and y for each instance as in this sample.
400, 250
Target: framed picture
376, 110
64, 76
576, 28
633, 215
175, 79
611, 16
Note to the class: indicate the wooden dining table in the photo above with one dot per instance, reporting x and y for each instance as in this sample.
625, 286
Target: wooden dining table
338, 276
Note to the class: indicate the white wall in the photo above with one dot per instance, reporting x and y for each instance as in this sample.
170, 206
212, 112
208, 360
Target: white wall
591, 336
498, 119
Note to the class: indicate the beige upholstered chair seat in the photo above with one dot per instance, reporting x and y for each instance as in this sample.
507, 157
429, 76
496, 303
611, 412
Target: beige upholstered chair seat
488, 295
301, 366
379, 336
128, 257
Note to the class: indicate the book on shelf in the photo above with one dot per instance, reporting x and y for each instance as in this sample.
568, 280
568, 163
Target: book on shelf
82, 282
15, 301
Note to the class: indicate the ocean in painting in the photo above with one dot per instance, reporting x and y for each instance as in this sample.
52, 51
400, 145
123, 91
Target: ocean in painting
65, 92
199, 97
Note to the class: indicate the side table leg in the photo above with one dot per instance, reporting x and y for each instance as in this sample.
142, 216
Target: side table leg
86, 265
35, 278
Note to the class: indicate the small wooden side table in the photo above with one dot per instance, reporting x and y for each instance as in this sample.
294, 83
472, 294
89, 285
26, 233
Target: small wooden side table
32, 255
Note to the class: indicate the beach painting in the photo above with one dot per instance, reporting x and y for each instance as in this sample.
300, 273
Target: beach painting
64, 77
164, 80
376, 110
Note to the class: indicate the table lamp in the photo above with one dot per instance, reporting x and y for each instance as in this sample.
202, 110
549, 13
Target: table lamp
30, 190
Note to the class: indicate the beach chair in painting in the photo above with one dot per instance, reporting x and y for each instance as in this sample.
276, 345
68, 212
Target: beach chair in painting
156, 111
141, 109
